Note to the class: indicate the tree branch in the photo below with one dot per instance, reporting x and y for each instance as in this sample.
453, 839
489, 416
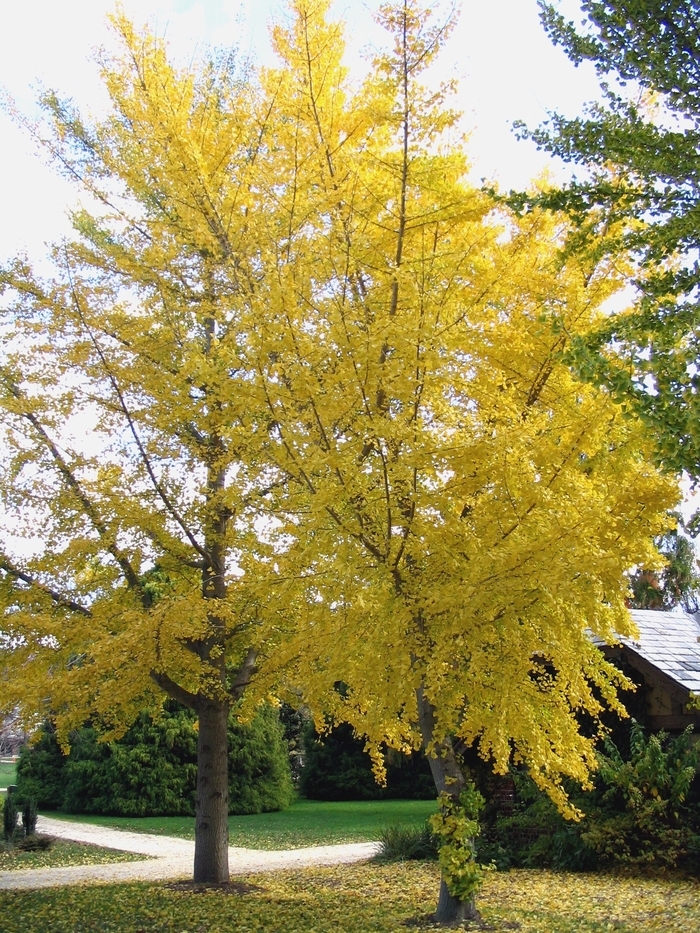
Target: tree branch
162, 495
75, 487
245, 674
60, 600
175, 691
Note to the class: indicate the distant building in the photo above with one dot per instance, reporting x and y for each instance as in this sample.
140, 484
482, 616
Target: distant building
12, 737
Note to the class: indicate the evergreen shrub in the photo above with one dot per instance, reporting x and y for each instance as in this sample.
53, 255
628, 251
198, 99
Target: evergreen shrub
36, 843
9, 817
29, 817
337, 767
152, 769
260, 778
40, 771
643, 810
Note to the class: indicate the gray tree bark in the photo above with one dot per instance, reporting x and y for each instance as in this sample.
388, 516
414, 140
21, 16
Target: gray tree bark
449, 779
211, 807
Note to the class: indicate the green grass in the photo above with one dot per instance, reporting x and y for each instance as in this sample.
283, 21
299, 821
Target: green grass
8, 773
61, 854
304, 823
366, 898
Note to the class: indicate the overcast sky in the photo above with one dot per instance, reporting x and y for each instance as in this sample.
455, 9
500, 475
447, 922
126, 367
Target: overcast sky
507, 68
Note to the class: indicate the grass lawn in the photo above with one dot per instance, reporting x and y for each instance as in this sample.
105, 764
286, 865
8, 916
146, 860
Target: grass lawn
63, 853
304, 823
8, 772
360, 899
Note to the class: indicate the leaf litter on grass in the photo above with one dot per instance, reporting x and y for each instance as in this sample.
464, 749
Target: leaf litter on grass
62, 854
362, 898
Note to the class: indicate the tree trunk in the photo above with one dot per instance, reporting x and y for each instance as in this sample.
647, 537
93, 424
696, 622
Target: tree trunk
211, 826
451, 910
449, 779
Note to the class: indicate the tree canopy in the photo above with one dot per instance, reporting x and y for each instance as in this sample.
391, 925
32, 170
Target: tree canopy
291, 414
460, 509
130, 486
677, 583
641, 149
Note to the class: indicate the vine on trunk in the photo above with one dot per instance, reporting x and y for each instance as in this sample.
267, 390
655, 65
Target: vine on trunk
456, 826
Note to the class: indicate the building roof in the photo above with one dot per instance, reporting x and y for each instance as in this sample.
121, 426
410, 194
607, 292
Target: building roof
670, 641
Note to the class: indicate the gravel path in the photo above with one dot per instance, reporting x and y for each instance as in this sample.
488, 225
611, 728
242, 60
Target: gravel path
170, 858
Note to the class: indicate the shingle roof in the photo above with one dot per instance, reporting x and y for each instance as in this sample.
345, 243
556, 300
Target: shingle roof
671, 642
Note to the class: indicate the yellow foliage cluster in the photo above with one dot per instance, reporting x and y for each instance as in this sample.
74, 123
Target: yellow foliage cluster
292, 413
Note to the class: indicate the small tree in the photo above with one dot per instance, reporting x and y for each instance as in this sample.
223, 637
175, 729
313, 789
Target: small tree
30, 814
9, 814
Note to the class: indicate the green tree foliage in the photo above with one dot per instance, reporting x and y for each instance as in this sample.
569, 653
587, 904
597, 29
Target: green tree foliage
337, 767
643, 191
152, 769
40, 770
30, 812
293, 722
258, 759
645, 816
643, 810
676, 584
9, 817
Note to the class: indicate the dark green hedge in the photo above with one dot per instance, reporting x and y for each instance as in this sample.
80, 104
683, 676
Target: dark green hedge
337, 767
152, 770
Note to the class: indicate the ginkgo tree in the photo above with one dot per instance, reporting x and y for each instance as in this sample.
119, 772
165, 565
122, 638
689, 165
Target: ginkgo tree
130, 563
461, 510
291, 412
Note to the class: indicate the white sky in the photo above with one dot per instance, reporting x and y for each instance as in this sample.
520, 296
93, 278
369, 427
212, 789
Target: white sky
507, 67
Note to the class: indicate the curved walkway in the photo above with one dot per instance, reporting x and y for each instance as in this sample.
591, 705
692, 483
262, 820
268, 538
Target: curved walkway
170, 858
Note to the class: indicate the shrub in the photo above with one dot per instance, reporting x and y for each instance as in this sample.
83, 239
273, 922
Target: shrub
400, 843
646, 815
643, 810
40, 771
535, 835
152, 770
258, 762
36, 843
29, 817
9, 817
337, 767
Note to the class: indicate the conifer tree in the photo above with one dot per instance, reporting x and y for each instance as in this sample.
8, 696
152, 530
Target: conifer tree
636, 155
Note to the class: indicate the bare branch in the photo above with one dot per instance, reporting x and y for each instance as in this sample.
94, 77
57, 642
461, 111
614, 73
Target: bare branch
175, 691
245, 674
